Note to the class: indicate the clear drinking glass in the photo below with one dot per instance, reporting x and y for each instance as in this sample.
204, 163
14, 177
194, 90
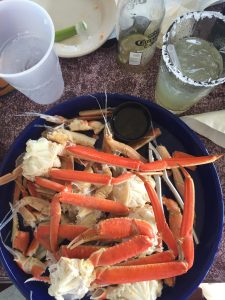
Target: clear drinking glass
193, 60
27, 59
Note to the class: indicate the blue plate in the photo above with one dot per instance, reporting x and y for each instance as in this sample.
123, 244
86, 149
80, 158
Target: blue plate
175, 136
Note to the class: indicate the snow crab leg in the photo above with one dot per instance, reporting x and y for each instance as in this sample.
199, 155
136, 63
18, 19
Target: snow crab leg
78, 252
127, 249
83, 201
21, 240
114, 229
144, 272
91, 154
30, 265
82, 176
185, 238
131, 274
159, 257
11, 176
66, 231
162, 225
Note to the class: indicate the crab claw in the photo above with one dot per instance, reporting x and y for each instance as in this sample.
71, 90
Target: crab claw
114, 229
30, 265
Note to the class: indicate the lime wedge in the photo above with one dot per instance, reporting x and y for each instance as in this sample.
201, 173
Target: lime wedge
65, 33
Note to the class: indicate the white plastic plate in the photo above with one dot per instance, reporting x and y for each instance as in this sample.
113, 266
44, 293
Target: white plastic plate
99, 15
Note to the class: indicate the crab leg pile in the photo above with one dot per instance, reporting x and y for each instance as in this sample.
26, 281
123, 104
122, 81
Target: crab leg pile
90, 217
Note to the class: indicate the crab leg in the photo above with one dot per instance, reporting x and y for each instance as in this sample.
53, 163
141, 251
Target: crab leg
43, 240
30, 265
130, 274
21, 240
32, 189
90, 154
175, 220
67, 162
78, 252
175, 216
29, 218
55, 212
177, 162
88, 235
44, 279
96, 112
114, 229
177, 176
66, 231
49, 184
123, 148
33, 247
122, 178
83, 201
52, 185
118, 228
72, 175
160, 257
162, 225
150, 136
22, 186
179, 154
121, 252
186, 236
94, 203
11, 176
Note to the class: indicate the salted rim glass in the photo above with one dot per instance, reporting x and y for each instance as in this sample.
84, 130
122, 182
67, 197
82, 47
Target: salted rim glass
171, 32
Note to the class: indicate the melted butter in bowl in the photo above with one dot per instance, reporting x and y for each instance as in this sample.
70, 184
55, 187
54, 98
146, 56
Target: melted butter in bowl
130, 121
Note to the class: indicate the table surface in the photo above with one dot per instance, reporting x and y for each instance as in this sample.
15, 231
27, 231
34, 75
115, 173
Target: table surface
99, 72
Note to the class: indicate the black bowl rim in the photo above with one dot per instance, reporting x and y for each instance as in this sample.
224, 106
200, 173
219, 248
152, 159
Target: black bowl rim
138, 106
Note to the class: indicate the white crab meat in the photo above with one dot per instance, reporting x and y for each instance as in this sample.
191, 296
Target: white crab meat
70, 211
62, 136
146, 213
70, 278
96, 126
78, 125
27, 263
132, 193
41, 155
148, 290
87, 217
41, 213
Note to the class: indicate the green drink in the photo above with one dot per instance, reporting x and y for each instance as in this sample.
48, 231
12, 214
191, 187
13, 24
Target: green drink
195, 58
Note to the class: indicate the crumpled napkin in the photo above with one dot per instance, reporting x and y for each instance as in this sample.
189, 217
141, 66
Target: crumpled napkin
213, 291
210, 125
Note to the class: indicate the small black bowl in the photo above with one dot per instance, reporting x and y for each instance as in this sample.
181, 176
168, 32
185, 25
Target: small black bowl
130, 121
